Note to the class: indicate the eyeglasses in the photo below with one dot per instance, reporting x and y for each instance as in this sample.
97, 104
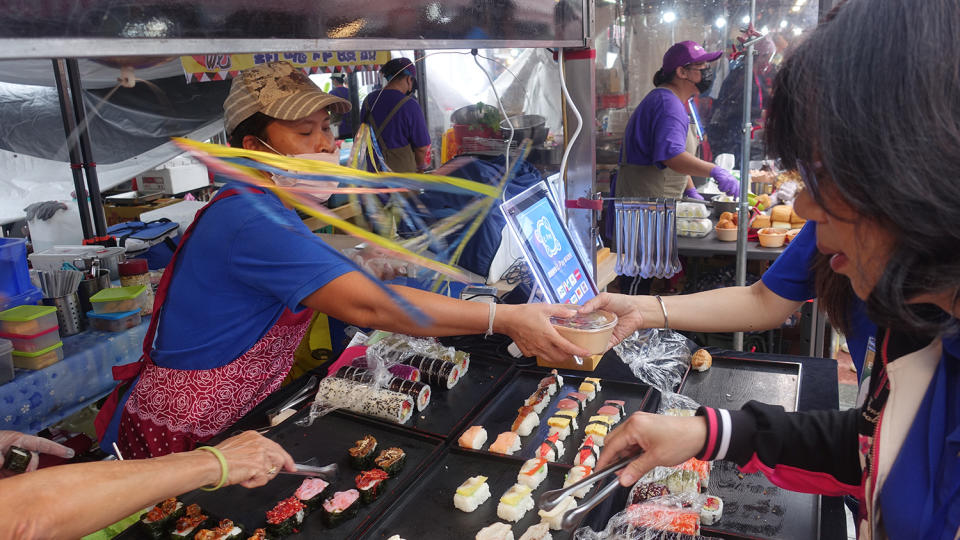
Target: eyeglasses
808, 172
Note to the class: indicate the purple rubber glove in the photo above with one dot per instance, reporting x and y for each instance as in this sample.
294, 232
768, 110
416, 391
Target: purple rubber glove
728, 184
691, 193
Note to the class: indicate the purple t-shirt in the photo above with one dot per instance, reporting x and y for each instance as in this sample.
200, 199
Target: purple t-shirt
346, 120
406, 128
657, 130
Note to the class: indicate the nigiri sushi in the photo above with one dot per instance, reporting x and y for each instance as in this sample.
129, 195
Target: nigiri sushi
539, 399
515, 503
588, 454
471, 494
286, 517
553, 382
559, 425
474, 438
554, 518
540, 531
589, 388
598, 427
507, 443
311, 492
526, 421
339, 508
619, 405
610, 412
551, 449
579, 400
575, 475
571, 414
532, 472
496, 531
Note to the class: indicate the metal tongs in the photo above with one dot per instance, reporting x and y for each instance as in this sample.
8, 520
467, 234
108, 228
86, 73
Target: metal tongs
327, 472
303, 394
550, 500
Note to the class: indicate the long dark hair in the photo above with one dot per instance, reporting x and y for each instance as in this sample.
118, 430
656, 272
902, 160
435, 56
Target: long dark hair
662, 77
882, 117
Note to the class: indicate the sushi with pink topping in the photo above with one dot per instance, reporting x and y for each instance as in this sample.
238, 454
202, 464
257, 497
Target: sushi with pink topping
312, 491
342, 506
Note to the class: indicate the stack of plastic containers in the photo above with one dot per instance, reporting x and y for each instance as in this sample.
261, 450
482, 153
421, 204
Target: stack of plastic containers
34, 335
116, 309
6, 361
15, 286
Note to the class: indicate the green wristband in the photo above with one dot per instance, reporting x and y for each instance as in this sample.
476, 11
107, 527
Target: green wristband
224, 468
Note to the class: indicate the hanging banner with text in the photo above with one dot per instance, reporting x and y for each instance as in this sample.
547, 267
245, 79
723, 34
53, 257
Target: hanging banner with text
220, 67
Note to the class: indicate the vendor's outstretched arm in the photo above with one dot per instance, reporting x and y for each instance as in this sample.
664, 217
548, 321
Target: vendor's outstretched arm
687, 163
71, 501
355, 299
731, 309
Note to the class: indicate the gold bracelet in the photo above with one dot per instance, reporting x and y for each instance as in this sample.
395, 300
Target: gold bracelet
663, 307
224, 468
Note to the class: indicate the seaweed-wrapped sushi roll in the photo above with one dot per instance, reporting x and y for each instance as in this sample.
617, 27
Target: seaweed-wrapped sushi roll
259, 534
192, 520
340, 507
285, 518
391, 460
225, 530
361, 455
159, 519
370, 484
312, 492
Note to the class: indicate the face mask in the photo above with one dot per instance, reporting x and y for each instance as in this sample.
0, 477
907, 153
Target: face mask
286, 181
706, 80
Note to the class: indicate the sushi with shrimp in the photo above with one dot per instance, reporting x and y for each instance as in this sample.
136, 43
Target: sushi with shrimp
507, 443
575, 475
496, 531
286, 517
471, 494
525, 422
539, 399
589, 388
192, 520
312, 492
158, 520
551, 449
474, 438
588, 454
361, 455
342, 506
539, 531
554, 518
532, 472
515, 503
391, 460
553, 383
571, 414
225, 530
598, 427
370, 484
560, 426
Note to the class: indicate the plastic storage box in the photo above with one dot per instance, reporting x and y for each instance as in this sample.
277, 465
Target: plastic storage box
28, 320
35, 342
119, 299
113, 322
39, 359
14, 274
6, 361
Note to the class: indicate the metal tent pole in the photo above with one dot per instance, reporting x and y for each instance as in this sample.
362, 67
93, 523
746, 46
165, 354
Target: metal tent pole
422, 83
83, 136
354, 81
744, 209
69, 124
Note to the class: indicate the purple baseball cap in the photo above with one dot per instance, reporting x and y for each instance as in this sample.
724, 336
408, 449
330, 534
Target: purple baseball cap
686, 52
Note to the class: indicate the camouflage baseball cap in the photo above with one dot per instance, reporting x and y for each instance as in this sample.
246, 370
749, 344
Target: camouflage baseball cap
278, 90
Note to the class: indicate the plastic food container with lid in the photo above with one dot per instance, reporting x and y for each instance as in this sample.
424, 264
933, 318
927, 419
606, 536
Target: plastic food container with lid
36, 342
591, 331
119, 299
28, 320
113, 322
39, 359
6, 361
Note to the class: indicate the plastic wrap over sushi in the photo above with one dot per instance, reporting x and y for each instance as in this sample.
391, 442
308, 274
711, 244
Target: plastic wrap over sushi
336, 393
389, 349
672, 516
657, 357
419, 391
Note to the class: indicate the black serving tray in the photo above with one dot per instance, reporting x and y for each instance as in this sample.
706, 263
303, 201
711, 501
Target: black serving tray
327, 440
755, 508
499, 414
731, 382
426, 510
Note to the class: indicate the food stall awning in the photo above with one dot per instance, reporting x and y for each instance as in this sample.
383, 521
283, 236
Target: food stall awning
218, 67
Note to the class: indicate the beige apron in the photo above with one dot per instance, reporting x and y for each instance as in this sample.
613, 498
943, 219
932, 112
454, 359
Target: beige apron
650, 181
398, 159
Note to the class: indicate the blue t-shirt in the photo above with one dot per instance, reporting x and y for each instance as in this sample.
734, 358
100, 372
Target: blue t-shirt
406, 128
346, 120
791, 277
657, 130
248, 259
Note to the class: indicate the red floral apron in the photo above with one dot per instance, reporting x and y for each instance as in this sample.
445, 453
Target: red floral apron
171, 410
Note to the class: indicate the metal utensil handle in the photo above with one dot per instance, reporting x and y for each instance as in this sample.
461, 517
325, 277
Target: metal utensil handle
573, 518
550, 500
618, 230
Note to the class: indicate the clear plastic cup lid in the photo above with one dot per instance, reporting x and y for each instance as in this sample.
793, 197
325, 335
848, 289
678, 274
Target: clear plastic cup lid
590, 321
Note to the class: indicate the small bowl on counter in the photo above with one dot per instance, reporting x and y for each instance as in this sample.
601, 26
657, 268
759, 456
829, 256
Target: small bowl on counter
772, 238
726, 235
